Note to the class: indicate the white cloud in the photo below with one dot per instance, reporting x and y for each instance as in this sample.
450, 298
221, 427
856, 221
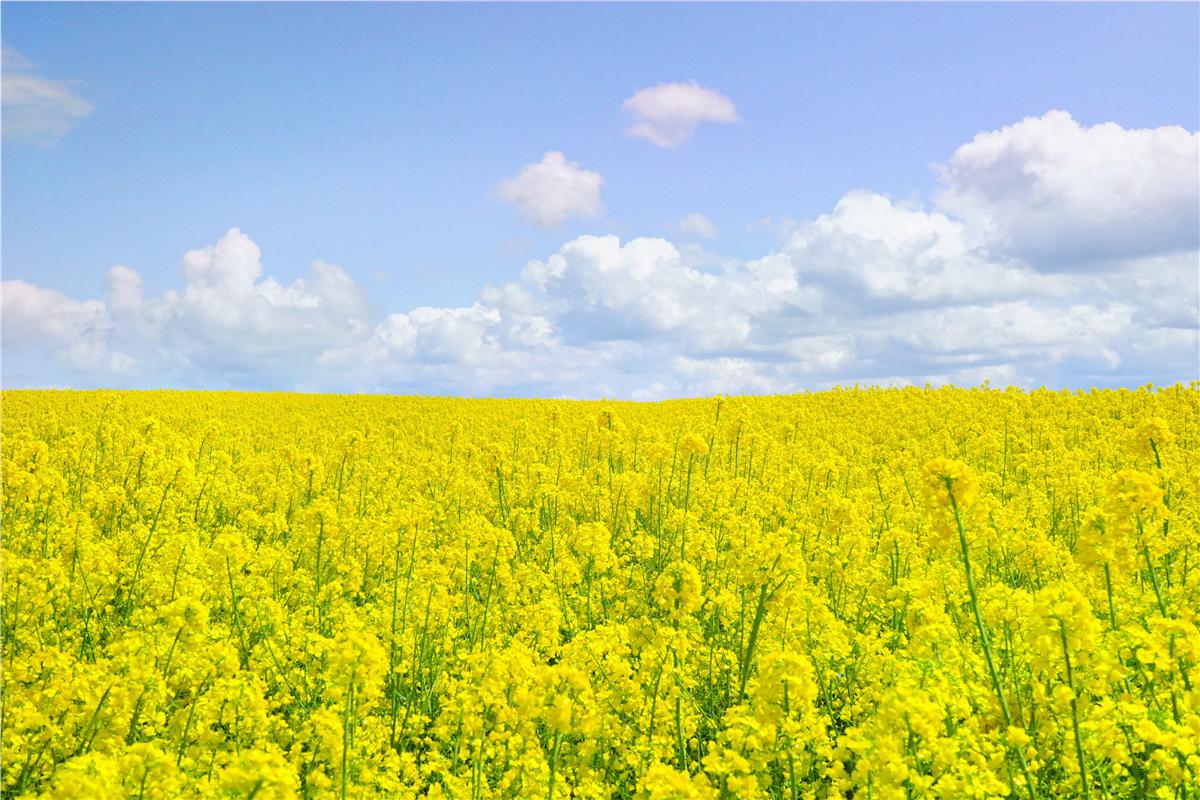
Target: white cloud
726, 375
436, 335
230, 321
698, 225
667, 114
227, 326
643, 289
1060, 194
993, 374
550, 191
36, 109
874, 292
1166, 288
74, 332
895, 254
1020, 329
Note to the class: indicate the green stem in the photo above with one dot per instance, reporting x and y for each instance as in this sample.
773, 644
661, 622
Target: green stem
1112, 614
983, 637
554, 765
679, 744
1083, 775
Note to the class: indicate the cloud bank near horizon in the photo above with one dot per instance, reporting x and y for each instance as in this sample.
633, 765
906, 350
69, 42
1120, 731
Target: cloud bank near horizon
1054, 254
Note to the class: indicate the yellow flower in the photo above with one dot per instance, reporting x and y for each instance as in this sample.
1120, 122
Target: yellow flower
663, 782
945, 480
559, 713
1152, 435
678, 590
691, 445
223, 595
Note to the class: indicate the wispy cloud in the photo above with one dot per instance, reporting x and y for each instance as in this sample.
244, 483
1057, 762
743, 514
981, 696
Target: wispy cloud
36, 109
697, 225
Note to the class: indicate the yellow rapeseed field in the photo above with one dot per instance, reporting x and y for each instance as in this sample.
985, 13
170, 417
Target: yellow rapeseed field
859, 593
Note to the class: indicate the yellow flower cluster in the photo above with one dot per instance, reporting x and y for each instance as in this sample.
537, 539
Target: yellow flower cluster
917, 593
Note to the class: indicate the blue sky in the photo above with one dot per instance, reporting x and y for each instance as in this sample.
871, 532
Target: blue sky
379, 138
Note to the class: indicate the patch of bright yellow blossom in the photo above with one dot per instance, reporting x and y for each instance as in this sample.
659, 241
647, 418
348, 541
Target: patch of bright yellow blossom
859, 593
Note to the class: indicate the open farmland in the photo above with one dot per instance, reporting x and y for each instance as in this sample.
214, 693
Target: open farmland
869, 593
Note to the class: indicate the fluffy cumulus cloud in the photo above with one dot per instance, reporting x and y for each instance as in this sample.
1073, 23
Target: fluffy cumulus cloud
75, 332
975, 287
605, 290
36, 108
550, 191
886, 254
667, 114
228, 326
1060, 194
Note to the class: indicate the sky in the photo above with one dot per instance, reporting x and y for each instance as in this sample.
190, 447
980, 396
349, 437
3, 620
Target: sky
629, 201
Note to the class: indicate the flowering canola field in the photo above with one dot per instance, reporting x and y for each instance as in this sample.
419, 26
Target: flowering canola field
860, 593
